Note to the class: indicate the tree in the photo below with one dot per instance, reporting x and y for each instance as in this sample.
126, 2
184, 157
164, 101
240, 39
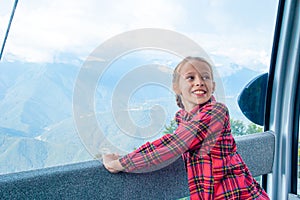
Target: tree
170, 128
253, 128
237, 127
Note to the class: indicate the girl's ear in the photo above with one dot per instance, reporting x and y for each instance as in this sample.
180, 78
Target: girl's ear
176, 89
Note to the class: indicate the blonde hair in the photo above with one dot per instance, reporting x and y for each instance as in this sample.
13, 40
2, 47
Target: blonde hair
176, 74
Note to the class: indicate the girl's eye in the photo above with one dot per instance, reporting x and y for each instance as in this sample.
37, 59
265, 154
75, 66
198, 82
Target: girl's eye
190, 78
204, 78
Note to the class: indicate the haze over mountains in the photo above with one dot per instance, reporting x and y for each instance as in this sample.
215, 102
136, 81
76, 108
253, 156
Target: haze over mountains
37, 128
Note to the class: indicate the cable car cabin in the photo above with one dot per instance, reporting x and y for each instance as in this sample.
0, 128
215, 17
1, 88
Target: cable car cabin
79, 80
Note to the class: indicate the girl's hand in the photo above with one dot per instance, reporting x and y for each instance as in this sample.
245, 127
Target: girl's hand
111, 163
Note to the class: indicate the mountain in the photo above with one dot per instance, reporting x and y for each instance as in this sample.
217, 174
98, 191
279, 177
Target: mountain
37, 128
33, 96
19, 153
234, 85
36, 124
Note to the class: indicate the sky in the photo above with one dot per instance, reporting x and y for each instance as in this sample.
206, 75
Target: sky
45, 31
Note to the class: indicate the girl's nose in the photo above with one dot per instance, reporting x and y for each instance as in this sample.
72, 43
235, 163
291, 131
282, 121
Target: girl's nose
198, 82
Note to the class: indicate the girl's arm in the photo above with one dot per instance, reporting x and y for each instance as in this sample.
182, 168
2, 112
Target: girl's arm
190, 134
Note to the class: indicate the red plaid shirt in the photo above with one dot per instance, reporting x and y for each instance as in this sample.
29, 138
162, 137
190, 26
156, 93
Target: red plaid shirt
203, 137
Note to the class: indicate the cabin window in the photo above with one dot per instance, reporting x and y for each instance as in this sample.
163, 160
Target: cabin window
50, 41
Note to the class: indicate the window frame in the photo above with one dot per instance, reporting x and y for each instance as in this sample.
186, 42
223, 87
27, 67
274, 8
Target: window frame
283, 98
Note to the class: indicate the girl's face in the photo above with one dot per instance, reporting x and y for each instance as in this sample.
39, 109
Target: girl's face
195, 84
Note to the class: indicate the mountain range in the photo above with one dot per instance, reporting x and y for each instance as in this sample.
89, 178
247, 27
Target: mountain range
37, 128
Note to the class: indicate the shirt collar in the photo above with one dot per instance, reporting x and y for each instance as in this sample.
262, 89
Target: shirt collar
195, 110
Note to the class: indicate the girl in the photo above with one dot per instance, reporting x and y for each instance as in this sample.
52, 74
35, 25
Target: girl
214, 168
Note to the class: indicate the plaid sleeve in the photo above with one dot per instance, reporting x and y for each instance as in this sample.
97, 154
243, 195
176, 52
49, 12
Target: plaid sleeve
192, 130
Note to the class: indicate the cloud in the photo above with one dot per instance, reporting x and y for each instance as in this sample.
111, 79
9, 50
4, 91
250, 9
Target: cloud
42, 29
233, 30
165, 69
242, 49
5, 10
